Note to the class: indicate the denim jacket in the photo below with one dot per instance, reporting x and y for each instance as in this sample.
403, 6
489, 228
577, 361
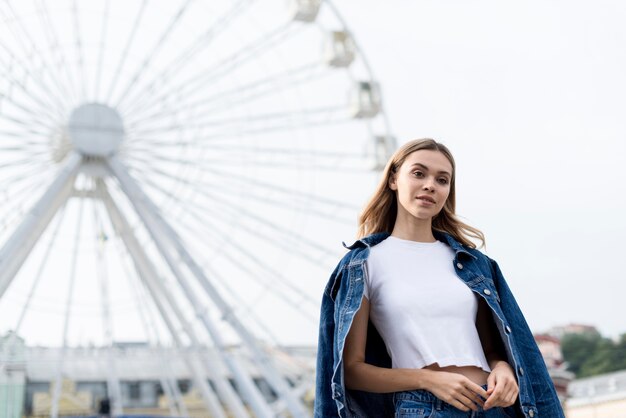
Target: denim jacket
342, 299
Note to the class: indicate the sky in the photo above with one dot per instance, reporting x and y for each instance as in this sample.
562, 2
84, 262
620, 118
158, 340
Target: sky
530, 97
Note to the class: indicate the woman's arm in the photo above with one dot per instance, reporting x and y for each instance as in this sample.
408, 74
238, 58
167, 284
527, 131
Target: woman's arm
362, 376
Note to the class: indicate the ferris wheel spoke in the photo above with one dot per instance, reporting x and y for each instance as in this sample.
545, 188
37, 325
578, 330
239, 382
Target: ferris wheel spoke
24, 35
101, 269
149, 321
105, 24
208, 141
263, 222
244, 134
35, 114
146, 312
42, 107
68, 310
25, 124
15, 206
323, 113
238, 100
324, 215
144, 270
113, 384
73, 267
36, 78
329, 214
21, 106
241, 149
194, 210
288, 193
79, 51
10, 193
52, 38
40, 169
24, 161
246, 309
268, 282
153, 52
211, 75
14, 183
24, 114
260, 223
257, 89
330, 166
21, 145
296, 198
185, 57
129, 43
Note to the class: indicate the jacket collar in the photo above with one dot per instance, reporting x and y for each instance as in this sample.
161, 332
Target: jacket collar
368, 241
453, 243
374, 239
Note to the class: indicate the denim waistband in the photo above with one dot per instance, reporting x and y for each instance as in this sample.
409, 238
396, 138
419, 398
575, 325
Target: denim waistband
422, 395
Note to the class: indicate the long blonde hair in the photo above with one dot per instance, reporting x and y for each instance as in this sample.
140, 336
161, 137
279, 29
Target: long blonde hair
380, 212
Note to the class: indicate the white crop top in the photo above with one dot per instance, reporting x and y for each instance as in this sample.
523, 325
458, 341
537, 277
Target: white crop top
421, 308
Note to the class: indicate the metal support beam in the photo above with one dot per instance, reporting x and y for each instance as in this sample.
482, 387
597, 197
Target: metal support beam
148, 274
162, 232
19, 245
113, 383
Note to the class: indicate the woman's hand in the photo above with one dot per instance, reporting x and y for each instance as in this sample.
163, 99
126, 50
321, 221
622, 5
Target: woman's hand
501, 386
456, 389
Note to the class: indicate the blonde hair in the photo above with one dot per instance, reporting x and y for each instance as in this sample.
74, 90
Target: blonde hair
379, 215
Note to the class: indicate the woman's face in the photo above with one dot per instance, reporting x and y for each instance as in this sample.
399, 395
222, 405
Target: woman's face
422, 184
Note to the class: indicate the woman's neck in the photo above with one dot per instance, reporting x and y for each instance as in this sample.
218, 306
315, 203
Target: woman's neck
414, 230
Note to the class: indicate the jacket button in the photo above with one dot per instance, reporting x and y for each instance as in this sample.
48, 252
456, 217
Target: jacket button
460, 266
508, 329
487, 292
521, 371
531, 413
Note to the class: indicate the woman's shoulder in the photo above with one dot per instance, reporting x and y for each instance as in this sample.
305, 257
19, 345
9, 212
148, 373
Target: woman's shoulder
358, 250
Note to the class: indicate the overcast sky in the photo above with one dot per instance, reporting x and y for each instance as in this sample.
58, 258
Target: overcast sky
531, 99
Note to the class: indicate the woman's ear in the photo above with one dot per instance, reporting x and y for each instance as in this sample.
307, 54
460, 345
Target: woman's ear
392, 182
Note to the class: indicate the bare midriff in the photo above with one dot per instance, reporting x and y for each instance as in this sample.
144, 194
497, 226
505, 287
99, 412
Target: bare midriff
473, 373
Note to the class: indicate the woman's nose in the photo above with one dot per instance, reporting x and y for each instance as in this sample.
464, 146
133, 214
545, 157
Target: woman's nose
429, 185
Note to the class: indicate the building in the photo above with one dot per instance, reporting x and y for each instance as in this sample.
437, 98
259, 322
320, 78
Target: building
144, 375
12, 376
550, 348
602, 396
561, 330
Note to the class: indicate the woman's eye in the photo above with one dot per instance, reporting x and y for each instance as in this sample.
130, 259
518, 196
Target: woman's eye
443, 181
418, 173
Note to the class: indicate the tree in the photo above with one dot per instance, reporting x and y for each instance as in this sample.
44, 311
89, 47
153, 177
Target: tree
578, 348
590, 354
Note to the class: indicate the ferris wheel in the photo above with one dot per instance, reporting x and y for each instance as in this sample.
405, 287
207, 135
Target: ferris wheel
179, 172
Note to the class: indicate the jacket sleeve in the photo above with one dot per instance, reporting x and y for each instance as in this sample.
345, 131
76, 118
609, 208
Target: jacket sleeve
546, 398
325, 406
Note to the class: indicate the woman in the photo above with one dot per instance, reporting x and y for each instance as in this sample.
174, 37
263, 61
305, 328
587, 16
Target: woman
415, 321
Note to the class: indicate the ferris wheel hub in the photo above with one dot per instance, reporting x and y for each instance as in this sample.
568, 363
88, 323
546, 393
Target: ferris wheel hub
96, 130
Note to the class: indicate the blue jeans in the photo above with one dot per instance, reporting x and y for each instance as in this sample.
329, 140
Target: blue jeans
423, 404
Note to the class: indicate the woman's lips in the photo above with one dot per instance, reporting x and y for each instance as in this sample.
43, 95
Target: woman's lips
425, 202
